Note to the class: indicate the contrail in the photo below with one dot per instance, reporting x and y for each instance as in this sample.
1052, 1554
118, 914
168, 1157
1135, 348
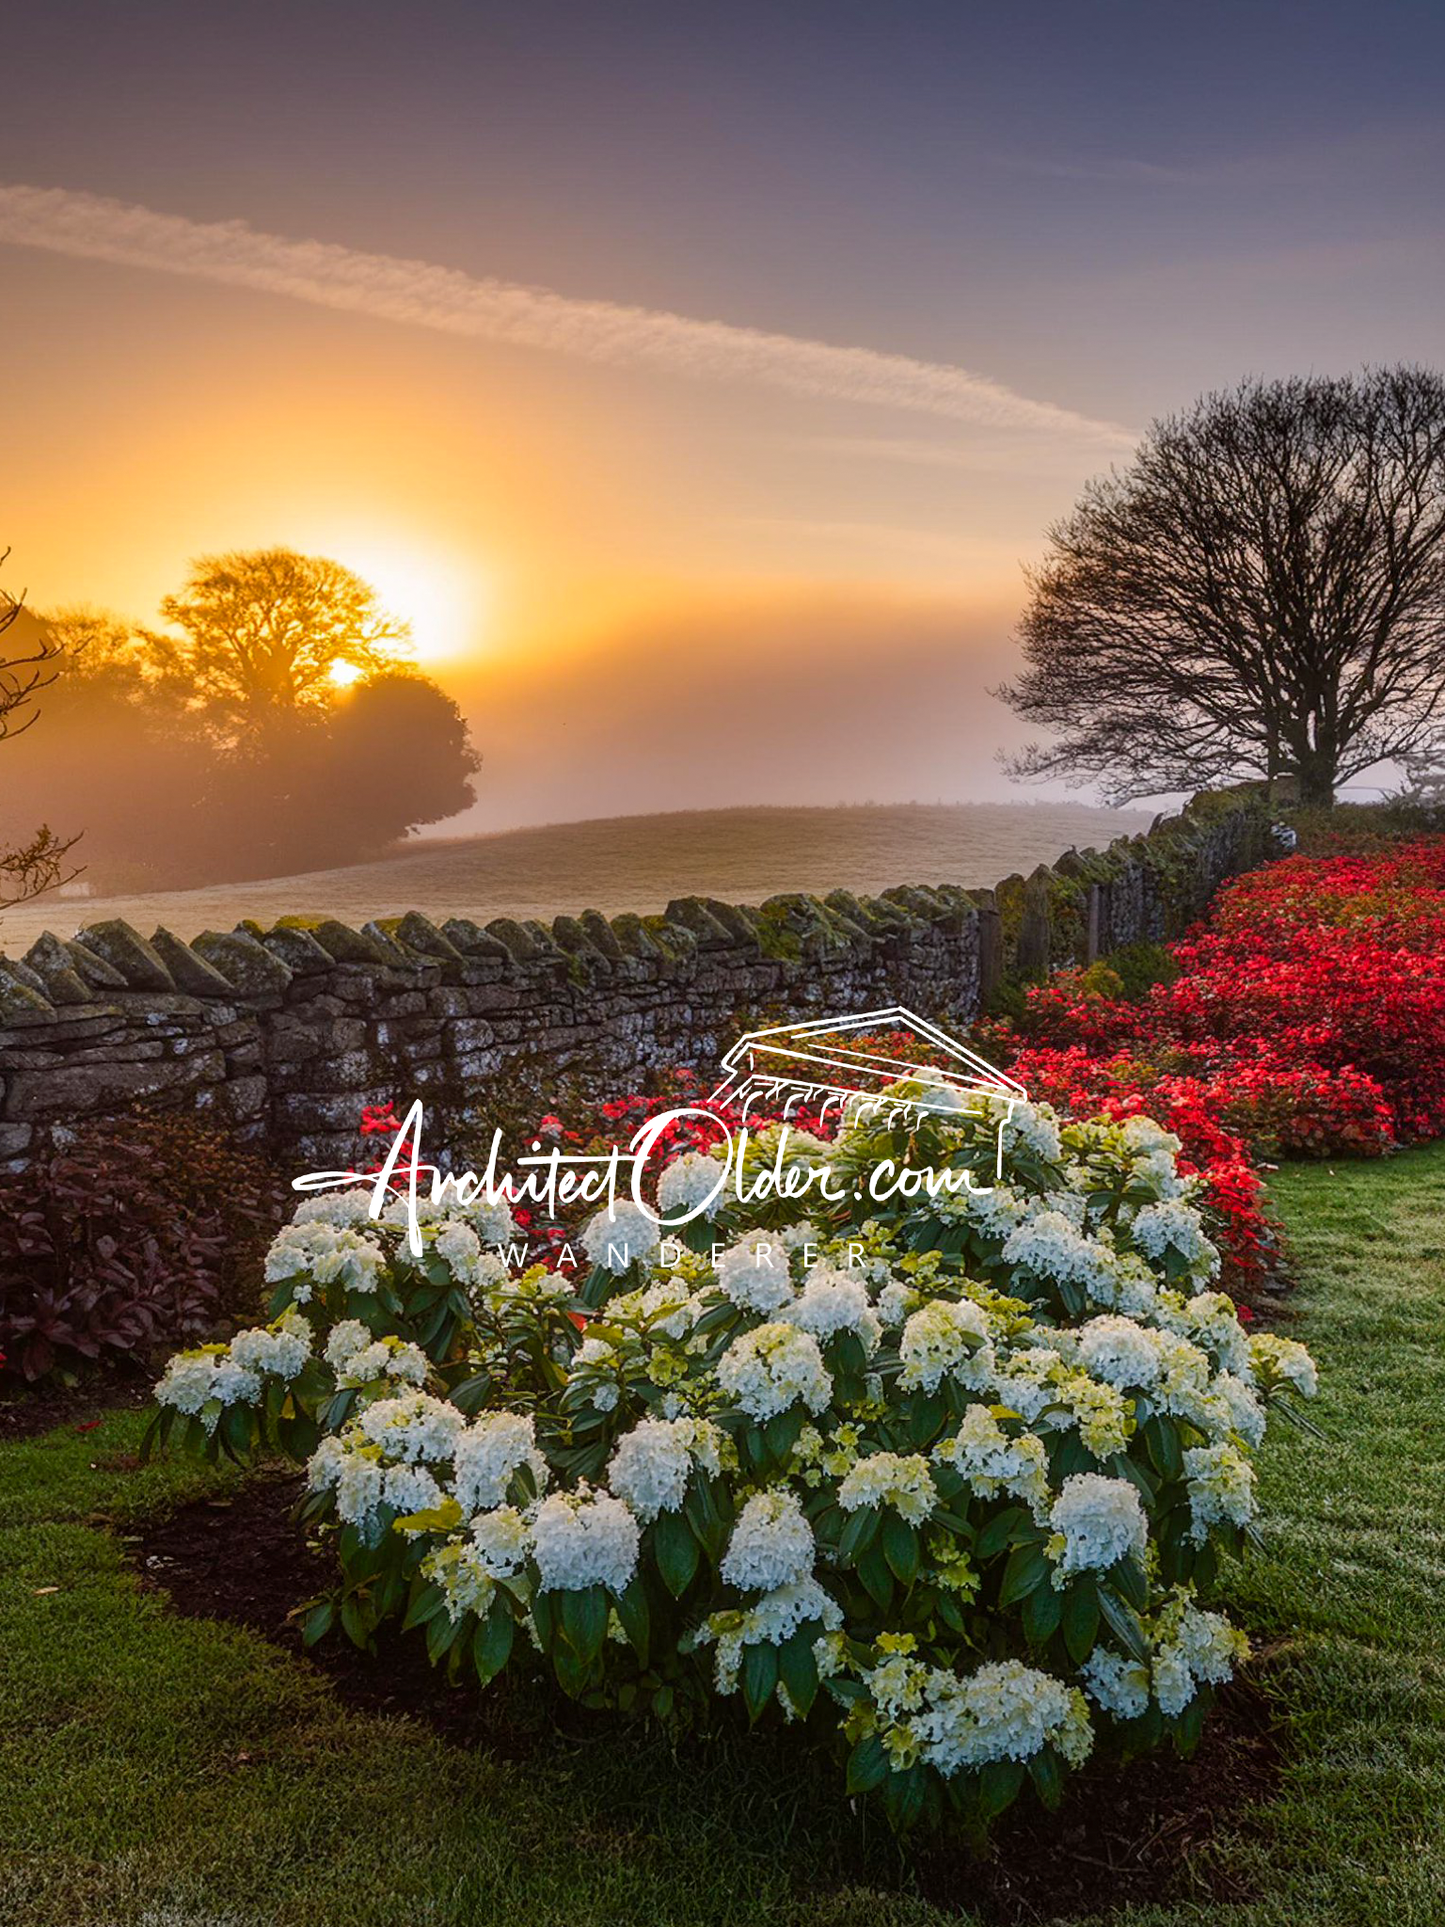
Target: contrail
94, 228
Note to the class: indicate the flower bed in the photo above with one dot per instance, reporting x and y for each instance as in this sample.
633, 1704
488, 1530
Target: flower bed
1307, 1017
950, 1479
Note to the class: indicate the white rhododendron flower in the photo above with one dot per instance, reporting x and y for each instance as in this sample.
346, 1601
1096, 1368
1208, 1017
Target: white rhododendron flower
1099, 1520
193, 1381
338, 1208
754, 1273
652, 1463
1003, 1711
413, 1426
1221, 1488
1120, 1351
831, 1302
277, 1351
773, 1367
489, 1452
583, 1539
692, 1185
502, 1540
945, 1338
459, 1248
994, 1463
323, 1254
1051, 1245
359, 1359
1242, 1410
771, 1545
1173, 1225
1274, 1359
888, 1478
1034, 1127
353, 1472
625, 1235
769, 1621
1120, 1685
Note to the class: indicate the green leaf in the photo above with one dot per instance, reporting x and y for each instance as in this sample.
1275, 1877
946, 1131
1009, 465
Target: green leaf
799, 1669
437, 1518
759, 1676
867, 1765
1125, 1623
1206, 1566
236, 1430
317, 1622
781, 1433
425, 1606
996, 1534
1161, 1440
632, 1613
1191, 1726
1131, 1584
442, 1634
584, 1621
471, 1395
903, 1796
1043, 1609
544, 1618
1081, 1619
927, 1416
998, 1786
492, 1642
596, 1288
572, 1671
353, 1620
900, 1548
1047, 1776
857, 1534
676, 1550
1027, 1569
877, 1579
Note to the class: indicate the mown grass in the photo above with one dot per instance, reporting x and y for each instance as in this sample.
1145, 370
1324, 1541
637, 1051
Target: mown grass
179, 1773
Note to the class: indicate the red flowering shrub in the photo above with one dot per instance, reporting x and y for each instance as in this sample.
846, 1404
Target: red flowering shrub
1310, 1008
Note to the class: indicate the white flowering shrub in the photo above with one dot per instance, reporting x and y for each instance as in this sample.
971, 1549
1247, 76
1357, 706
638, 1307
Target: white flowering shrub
951, 1475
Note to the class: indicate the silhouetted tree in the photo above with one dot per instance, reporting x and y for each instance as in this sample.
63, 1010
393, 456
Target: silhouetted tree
176, 790
1262, 590
263, 630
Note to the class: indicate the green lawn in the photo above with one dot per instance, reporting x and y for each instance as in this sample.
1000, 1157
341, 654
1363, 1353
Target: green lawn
182, 1774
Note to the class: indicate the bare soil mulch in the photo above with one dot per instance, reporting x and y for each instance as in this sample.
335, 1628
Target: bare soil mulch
1127, 1837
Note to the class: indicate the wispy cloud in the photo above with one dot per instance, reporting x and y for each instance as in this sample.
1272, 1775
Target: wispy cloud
978, 456
423, 295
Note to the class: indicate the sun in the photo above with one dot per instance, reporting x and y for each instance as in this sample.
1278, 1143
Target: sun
443, 603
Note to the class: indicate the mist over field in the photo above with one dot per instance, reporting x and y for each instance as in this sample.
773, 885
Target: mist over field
637, 863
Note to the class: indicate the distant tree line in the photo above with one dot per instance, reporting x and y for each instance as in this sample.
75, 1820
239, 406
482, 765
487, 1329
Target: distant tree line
274, 726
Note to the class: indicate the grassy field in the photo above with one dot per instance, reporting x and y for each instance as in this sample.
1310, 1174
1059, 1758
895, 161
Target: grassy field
183, 1774
637, 863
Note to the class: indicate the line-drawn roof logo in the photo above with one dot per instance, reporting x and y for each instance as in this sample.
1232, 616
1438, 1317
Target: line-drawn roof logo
836, 1064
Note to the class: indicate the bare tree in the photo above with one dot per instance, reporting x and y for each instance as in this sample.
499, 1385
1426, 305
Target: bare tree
37, 863
1261, 591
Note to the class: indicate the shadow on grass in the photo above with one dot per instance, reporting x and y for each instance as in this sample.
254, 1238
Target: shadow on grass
1122, 1837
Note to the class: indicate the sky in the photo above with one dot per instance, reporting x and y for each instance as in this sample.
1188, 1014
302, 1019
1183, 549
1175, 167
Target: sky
699, 380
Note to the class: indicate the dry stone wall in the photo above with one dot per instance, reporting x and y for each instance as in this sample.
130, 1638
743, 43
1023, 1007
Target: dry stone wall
284, 1034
